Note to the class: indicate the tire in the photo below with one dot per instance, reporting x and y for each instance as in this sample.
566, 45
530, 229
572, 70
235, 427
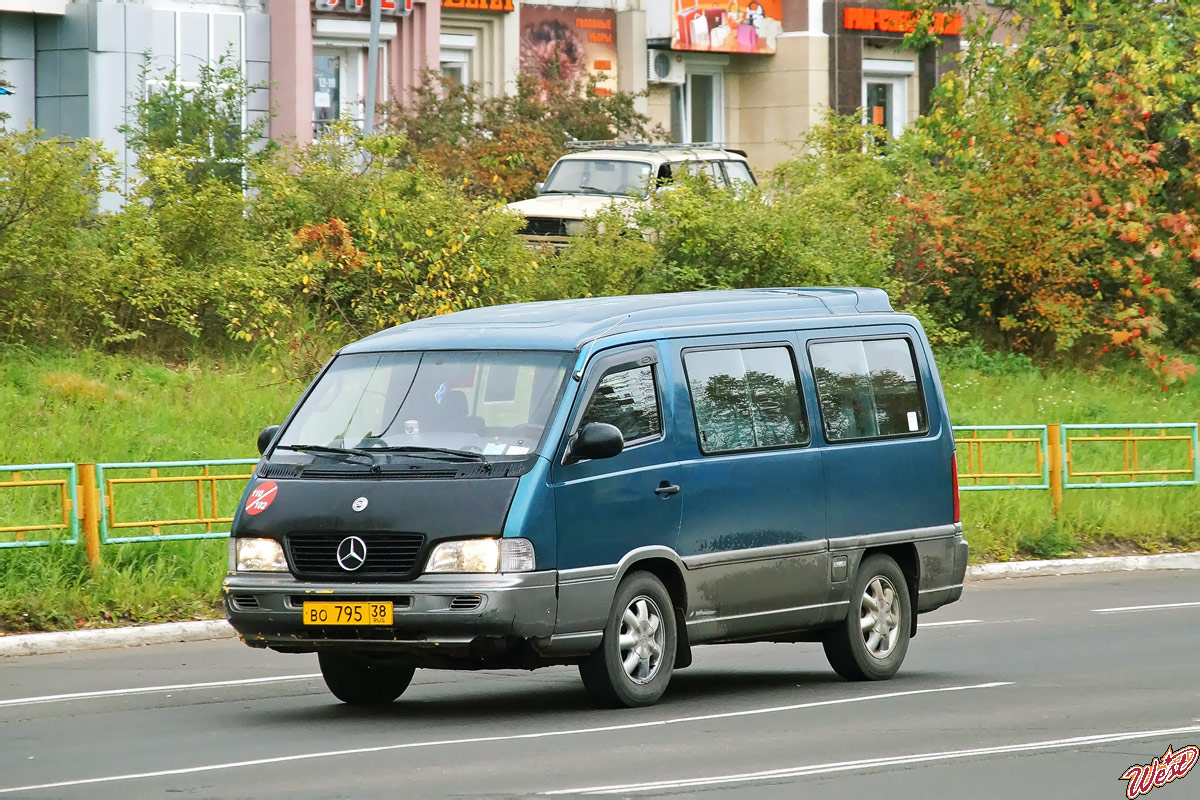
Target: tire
358, 681
872, 642
631, 634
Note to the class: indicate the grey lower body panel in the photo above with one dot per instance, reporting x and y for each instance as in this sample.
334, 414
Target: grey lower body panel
442, 616
943, 564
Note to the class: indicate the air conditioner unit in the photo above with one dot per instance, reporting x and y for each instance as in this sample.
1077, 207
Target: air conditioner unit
664, 66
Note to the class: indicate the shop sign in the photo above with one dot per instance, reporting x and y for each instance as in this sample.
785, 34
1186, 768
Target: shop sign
570, 43
736, 26
479, 5
889, 21
395, 8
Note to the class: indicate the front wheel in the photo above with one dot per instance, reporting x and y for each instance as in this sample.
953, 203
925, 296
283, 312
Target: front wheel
870, 645
633, 664
358, 681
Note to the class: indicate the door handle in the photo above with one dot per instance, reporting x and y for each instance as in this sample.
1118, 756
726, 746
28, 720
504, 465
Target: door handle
666, 489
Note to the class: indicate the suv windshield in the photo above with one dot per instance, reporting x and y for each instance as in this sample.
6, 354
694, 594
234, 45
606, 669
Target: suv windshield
598, 176
492, 403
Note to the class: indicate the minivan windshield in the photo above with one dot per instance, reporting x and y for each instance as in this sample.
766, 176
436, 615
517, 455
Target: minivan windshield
487, 404
598, 176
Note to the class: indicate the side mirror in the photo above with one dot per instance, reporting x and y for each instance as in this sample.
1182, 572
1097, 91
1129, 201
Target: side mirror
537, 187
595, 440
265, 437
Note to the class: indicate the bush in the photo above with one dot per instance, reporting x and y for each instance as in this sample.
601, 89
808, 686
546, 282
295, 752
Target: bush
356, 246
48, 258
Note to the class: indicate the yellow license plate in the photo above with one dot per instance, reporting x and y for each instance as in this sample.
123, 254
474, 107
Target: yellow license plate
347, 613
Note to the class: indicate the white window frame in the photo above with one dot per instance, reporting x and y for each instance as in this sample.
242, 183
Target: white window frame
352, 73
684, 92
897, 74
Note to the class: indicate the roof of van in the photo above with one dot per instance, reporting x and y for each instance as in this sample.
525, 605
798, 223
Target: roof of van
568, 324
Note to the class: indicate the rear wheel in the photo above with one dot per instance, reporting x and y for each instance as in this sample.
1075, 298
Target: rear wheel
870, 645
359, 681
633, 664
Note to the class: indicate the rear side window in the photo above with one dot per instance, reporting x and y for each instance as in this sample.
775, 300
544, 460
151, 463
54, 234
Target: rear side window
868, 389
745, 399
738, 173
628, 399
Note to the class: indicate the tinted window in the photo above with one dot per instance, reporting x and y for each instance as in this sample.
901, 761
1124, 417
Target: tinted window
745, 399
868, 389
629, 400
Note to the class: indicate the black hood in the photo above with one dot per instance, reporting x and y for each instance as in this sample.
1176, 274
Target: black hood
399, 522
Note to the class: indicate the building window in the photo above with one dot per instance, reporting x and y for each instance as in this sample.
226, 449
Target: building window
340, 82
885, 93
457, 52
698, 108
327, 89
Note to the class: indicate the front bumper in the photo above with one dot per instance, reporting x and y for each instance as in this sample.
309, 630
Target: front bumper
450, 615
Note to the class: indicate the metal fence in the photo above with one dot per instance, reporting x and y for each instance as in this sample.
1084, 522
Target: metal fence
45, 505
126, 502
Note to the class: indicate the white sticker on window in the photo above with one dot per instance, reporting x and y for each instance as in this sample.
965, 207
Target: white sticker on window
516, 450
494, 448
912, 421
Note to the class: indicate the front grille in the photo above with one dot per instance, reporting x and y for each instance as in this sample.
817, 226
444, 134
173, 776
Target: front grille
465, 602
389, 555
545, 226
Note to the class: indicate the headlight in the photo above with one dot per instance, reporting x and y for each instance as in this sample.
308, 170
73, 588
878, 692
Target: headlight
482, 555
259, 555
574, 227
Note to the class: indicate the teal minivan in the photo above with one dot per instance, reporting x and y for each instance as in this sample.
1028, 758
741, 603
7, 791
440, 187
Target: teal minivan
606, 483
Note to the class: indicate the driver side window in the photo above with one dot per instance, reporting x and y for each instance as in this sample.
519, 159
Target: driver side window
628, 399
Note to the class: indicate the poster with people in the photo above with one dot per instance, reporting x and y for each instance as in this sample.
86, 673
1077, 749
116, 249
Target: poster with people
570, 44
735, 26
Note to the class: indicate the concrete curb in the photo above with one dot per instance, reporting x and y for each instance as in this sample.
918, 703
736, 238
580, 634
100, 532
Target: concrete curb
40, 644
1082, 566
37, 644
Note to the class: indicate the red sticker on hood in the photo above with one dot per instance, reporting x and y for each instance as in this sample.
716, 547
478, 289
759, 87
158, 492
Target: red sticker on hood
261, 497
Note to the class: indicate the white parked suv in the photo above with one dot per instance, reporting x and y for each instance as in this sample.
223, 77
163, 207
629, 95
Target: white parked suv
583, 183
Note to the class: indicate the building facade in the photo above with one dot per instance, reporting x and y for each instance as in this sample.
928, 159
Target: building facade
757, 74
752, 74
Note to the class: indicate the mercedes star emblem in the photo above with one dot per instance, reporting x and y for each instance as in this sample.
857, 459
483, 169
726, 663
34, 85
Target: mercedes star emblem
351, 553
359, 504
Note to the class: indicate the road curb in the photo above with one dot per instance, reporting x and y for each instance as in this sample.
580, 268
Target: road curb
37, 644
40, 644
1082, 566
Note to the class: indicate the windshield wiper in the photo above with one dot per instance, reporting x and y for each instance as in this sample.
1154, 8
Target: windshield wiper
417, 450
325, 450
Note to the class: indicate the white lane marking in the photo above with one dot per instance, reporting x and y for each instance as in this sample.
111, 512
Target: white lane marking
484, 739
1128, 609
923, 625
178, 687
876, 763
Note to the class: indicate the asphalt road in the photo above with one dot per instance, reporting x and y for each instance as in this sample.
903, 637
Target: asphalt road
1032, 687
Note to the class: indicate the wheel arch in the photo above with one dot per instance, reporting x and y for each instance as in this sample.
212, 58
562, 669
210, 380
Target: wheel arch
670, 571
905, 556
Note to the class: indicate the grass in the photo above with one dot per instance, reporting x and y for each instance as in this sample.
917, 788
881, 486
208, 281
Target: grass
94, 407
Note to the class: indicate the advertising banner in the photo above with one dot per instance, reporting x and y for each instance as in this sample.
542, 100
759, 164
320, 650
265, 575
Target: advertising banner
569, 44
736, 26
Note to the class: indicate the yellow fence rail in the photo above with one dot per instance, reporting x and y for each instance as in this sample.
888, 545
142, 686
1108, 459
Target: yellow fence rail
1007, 444
114, 478
62, 511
